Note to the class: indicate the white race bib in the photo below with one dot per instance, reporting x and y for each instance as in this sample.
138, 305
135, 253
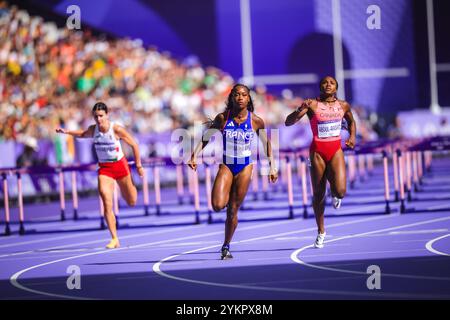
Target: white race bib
239, 150
329, 129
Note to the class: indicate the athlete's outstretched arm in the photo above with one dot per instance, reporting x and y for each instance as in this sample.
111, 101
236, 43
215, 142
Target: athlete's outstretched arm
348, 115
216, 124
262, 134
295, 116
89, 133
123, 134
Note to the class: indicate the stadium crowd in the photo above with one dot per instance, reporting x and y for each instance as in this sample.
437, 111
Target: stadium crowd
50, 76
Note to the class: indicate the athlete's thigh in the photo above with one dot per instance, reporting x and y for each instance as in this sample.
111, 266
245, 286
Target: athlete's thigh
106, 188
126, 186
241, 183
336, 170
318, 169
222, 185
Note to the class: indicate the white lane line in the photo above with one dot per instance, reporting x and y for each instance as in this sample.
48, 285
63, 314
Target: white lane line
345, 254
80, 225
147, 276
301, 280
296, 253
430, 248
185, 244
268, 259
3, 237
157, 269
168, 221
44, 240
14, 279
443, 206
408, 241
102, 240
418, 231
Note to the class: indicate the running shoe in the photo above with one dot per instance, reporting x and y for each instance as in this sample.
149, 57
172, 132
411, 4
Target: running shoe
337, 202
226, 253
319, 240
113, 244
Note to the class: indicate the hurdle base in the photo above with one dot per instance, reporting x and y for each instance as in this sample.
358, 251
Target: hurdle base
63, 215
197, 217
158, 210
305, 212
210, 220
7, 229
402, 206
75, 214
387, 209
291, 212
21, 228
102, 224
146, 212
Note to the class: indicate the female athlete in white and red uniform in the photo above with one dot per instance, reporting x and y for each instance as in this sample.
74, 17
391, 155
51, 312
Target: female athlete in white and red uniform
113, 165
327, 158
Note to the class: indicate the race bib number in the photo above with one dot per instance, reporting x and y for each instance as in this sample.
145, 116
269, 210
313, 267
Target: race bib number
238, 150
329, 129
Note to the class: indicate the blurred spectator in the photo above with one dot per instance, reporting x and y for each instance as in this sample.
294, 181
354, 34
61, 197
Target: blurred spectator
444, 129
29, 156
395, 130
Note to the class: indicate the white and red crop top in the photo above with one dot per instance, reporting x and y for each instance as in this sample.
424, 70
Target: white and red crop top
107, 146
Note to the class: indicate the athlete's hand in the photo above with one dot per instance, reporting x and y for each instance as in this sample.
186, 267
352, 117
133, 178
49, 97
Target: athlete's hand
141, 171
273, 175
61, 130
305, 104
192, 164
351, 142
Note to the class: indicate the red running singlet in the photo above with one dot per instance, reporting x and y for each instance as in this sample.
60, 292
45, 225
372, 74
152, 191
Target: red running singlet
326, 125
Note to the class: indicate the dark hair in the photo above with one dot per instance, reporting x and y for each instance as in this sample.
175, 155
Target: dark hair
100, 106
321, 80
231, 103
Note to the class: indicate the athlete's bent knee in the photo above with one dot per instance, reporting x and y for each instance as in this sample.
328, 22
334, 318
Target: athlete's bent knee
218, 206
132, 202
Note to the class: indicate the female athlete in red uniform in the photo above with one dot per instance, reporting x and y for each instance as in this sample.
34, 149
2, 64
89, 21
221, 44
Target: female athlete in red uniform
113, 165
327, 158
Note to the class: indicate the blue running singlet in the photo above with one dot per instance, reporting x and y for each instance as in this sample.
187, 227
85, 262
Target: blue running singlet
237, 139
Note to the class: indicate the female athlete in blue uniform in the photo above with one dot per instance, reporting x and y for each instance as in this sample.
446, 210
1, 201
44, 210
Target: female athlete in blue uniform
238, 125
